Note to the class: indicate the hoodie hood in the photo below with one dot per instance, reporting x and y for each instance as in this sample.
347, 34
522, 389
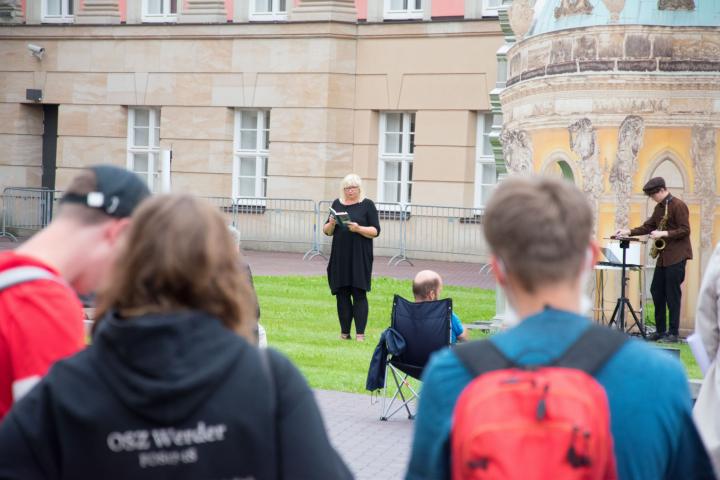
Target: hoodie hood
163, 366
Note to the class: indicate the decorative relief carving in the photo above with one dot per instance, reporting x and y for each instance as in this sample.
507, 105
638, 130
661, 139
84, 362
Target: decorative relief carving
624, 105
615, 7
676, 5
583, 141
517, 150
521, 15
703, 153
573, 7
630, 140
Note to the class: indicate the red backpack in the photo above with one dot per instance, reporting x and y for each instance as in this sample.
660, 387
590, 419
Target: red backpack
540, 422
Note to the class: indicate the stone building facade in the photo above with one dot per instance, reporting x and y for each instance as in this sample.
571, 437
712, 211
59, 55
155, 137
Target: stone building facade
610, 93
280, 102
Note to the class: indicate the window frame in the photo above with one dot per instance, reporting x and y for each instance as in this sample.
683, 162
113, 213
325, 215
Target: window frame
274, 15
405, 157
261, 154
403, 14
483, 159
160, 17
488, 11
152, 150
64, 16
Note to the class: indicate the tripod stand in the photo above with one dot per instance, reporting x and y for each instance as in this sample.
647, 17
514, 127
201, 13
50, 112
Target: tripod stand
618, 316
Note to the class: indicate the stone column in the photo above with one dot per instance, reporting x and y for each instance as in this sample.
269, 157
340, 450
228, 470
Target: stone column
203, 11
99, 12
325, 10
10, 12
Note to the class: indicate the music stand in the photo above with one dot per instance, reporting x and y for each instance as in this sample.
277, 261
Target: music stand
618, 316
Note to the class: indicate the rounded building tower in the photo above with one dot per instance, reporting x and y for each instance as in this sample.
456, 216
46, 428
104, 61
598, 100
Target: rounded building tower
610, 93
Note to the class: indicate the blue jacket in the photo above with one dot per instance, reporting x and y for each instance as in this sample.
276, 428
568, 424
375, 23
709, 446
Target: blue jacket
650, 405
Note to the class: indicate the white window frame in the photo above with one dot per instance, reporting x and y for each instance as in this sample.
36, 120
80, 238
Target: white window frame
164, 17
490, 11
260, 153
64, 16
404, 13
483, 159
272, 16
155, 162
405, 157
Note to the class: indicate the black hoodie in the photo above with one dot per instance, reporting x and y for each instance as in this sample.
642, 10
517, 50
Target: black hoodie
169, 397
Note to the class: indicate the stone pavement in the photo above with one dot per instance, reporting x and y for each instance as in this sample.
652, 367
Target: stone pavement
453, 273
373, 450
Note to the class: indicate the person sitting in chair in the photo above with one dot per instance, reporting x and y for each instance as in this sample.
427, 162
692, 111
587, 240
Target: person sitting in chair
427, 286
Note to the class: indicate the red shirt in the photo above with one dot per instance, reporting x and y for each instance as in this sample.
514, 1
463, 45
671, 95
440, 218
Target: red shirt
41, 321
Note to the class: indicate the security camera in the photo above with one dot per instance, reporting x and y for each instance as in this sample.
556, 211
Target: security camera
36, 50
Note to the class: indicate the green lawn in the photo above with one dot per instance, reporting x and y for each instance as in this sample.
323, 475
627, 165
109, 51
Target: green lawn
300, 317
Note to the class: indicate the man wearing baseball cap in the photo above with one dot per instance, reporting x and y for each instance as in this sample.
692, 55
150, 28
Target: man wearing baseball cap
669, 222
41, 318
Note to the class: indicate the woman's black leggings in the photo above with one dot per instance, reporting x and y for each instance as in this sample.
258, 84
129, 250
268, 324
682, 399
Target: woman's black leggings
352, 303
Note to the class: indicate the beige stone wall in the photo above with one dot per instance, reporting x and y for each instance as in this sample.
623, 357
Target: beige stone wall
324, 84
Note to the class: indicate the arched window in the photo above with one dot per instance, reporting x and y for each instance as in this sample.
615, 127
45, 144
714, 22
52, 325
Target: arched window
674, 180
559, 168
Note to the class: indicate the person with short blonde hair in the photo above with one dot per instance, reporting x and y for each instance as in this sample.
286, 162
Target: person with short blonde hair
351, 256
172, 386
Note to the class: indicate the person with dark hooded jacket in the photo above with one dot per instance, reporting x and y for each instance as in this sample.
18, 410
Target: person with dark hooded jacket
171, 388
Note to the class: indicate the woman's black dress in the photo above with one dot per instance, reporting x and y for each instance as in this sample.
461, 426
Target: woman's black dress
351, 256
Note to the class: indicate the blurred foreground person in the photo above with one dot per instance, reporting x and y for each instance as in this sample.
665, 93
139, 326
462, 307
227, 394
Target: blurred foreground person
554, 397
171, 386
707, 325
41, 317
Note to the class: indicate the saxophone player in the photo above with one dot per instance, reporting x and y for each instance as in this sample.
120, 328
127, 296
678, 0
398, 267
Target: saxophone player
669, 230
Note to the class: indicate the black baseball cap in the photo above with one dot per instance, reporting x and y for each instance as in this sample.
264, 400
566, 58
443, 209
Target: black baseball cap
118, 191
653, 185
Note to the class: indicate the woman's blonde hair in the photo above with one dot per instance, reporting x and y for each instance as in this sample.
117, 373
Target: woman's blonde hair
352, 180
179, 255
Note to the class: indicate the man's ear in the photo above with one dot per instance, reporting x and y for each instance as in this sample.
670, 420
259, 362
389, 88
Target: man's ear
498, 268
593, 253
115, 229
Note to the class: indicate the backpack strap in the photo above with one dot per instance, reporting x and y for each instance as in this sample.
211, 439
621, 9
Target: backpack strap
17, 275
481, 357
592, 350
589, 352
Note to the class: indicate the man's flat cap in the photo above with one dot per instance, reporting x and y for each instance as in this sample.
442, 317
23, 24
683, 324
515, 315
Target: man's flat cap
654, 183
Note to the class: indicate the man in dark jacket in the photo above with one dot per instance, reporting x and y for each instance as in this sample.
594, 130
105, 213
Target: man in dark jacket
670, 267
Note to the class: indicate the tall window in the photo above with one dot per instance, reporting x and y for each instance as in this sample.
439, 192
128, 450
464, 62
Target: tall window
485, 170
251, 147
58, 11
143, 155
159, 10
490, 7
397, 149
268, 10
403, 9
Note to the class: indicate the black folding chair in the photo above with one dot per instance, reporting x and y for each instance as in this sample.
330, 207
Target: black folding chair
425, 326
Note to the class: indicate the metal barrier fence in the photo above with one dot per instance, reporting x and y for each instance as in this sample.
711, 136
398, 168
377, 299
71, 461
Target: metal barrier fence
264, 223
418, 231
27, 209
453, 232
425, 231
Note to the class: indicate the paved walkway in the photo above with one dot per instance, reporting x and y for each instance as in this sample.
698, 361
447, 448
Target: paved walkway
373, 450
453, 273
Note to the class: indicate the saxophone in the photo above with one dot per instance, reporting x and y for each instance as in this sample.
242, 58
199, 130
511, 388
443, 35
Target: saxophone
660, 243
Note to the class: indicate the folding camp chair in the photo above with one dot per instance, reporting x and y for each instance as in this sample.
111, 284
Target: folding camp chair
425, 326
